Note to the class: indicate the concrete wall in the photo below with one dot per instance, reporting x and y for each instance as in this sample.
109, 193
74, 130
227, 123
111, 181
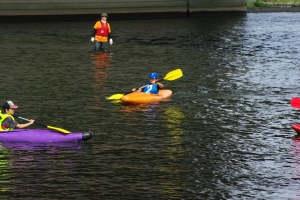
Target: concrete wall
218, 5
89, 7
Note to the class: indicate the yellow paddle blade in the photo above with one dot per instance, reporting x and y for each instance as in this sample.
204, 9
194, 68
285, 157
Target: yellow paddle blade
115, 97
58, 129
173, 75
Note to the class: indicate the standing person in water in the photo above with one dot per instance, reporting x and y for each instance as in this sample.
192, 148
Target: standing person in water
7, 121
101, 34
152, 86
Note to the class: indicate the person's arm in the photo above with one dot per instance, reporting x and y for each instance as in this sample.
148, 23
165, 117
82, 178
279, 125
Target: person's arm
136, 90
109, 35
110, 39
9, 123
139, 89
93, 32
160, 85
25, 125
93, 35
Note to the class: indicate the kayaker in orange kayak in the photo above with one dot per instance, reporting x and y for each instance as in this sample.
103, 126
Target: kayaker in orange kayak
7, 121
152, 87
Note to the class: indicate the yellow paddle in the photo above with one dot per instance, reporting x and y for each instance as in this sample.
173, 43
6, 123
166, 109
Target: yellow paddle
171, 76
50, 127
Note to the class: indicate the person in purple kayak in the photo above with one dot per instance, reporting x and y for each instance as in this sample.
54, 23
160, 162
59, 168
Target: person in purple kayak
152, 87
7, 121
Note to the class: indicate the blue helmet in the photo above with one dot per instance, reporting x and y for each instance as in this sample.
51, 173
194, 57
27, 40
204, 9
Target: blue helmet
153, 75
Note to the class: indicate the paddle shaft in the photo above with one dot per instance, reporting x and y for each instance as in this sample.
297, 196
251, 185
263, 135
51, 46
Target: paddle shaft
47, 126
29, 121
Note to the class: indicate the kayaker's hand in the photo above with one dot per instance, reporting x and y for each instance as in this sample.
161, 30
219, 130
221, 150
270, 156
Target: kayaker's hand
133, 89
92, 39
160, 85
31, 121
111, 41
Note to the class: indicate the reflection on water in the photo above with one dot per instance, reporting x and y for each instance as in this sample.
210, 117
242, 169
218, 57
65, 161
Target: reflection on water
173, 151
24, 165
5, 165
294, 164
146, 109
101, 67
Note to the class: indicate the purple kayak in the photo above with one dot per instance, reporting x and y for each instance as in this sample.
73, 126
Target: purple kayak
44, 136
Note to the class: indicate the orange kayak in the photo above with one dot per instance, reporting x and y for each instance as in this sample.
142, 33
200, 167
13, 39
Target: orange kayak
141, 97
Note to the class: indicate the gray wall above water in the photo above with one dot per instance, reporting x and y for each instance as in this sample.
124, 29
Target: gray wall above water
218, 5
90, 7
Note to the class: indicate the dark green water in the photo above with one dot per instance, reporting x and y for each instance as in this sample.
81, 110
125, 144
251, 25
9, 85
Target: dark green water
224, 134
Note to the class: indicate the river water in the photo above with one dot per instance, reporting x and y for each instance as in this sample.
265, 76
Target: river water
224, 134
